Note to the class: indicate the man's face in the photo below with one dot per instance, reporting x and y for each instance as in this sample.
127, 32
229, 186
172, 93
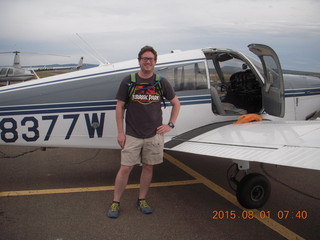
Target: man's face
147, 62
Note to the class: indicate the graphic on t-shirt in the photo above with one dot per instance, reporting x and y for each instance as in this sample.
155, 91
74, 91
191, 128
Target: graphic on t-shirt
145, 94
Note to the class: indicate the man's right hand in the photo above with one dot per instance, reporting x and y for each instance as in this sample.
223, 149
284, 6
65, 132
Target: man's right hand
121, 139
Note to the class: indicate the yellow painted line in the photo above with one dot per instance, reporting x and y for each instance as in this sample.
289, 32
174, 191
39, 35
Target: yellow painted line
275, 226
91, 189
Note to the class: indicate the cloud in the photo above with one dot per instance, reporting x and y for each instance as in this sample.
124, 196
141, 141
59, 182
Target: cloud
118, 29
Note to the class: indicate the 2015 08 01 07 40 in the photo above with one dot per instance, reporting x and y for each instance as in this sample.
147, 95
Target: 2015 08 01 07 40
250, 214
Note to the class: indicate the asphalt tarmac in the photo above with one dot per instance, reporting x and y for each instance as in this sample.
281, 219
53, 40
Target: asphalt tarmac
64, 194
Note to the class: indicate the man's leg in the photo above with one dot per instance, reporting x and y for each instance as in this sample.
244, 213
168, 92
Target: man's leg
120, 184
145, 180
121, 181
130, 156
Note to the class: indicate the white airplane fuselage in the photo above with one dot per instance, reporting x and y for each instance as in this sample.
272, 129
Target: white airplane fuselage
77, 109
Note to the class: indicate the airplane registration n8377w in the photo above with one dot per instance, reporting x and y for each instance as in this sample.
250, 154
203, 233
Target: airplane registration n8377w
214, 86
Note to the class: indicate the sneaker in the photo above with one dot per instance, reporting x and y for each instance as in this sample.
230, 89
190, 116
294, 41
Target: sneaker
144, 207
114, 210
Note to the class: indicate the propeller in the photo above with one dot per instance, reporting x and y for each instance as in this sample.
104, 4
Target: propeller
16, 61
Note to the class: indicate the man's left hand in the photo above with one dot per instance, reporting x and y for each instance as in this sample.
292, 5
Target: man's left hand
163, 129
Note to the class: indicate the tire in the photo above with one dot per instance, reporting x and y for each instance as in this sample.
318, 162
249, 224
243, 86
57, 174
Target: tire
253, 191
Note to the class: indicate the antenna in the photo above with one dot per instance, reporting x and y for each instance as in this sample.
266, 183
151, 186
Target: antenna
87, 52
98, 56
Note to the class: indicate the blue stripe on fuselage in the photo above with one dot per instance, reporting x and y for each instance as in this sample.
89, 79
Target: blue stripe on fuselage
302, 92
58, 108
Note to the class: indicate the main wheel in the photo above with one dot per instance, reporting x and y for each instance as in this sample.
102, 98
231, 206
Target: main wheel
253, 191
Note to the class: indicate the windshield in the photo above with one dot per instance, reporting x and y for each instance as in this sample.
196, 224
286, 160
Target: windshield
3, 71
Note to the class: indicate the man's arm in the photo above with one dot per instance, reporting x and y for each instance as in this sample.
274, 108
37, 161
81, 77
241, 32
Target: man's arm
119, 118
173, 117
175, 109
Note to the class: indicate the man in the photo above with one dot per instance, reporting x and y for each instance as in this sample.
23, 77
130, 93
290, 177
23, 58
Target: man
142, 143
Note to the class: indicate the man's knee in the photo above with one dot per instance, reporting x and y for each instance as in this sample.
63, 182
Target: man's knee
147, 167
124, 170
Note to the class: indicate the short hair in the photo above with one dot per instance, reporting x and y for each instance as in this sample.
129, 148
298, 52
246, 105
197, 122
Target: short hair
147, 49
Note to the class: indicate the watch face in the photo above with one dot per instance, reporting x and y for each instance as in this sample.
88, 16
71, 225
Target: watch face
171, 125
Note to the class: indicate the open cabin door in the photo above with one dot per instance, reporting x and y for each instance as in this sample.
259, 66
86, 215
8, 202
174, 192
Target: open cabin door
273, 88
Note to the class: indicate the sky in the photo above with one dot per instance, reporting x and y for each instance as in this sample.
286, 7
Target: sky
117, 29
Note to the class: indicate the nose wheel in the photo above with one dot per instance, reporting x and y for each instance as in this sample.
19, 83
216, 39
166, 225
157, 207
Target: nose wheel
252, 191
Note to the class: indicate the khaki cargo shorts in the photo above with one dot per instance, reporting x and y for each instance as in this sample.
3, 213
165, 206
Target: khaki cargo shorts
138, 151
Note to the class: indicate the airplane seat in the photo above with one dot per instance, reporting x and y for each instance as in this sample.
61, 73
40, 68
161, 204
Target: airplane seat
223, 108
231, 109
216, 104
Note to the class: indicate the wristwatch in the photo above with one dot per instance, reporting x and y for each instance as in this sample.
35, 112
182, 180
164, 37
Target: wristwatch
170, 124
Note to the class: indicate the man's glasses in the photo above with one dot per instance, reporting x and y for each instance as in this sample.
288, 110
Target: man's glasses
146, 59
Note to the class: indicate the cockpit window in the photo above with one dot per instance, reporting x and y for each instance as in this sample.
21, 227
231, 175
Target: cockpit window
272, 71
186, 77
257, 64
3, 71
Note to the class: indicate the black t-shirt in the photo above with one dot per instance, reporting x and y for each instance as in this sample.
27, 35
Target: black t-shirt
143, 114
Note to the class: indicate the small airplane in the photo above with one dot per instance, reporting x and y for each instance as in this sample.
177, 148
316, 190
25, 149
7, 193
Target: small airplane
216, 87
49, 68
16, 73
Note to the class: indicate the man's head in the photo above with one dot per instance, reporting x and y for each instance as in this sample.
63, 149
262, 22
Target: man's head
147, 49
147, 60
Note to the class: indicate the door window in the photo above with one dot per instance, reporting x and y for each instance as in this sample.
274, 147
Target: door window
186, 77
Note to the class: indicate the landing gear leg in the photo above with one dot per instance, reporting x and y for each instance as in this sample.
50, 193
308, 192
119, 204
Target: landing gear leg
253, 190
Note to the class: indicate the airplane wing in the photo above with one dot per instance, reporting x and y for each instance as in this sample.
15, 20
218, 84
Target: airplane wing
294, 144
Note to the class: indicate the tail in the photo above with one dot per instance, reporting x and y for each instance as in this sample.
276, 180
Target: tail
16, 61
80, 64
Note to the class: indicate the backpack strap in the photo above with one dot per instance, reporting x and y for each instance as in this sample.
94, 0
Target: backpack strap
132, 85
159, 89
133, 78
